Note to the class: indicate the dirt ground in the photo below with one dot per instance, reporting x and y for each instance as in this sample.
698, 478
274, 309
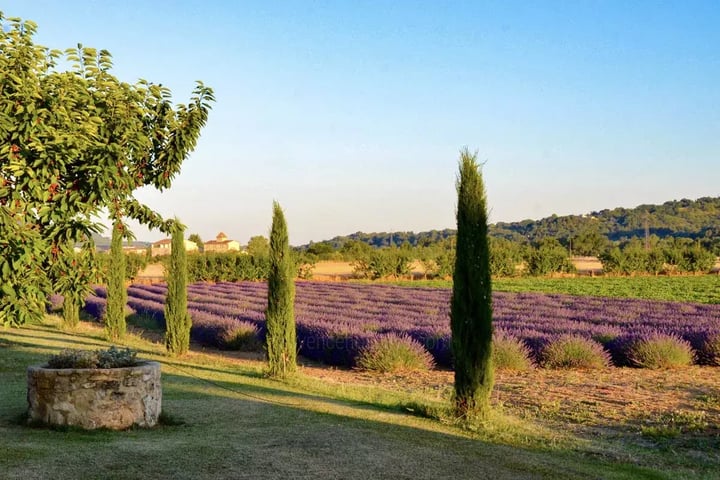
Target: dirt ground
595, 402
679, 401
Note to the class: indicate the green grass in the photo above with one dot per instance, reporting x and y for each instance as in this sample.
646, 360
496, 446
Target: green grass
225, 420
700, 288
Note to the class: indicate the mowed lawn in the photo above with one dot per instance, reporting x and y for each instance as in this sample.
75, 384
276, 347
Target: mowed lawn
225, 420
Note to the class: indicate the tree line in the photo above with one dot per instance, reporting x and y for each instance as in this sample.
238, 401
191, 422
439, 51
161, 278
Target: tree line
509, 258
583, 234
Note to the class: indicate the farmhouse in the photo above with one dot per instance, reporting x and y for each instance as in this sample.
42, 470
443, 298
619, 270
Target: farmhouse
222, 244
163, 247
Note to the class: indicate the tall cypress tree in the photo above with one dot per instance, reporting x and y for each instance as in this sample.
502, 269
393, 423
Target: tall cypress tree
471, 305
281, 342
116, 292
71, 312
177, 318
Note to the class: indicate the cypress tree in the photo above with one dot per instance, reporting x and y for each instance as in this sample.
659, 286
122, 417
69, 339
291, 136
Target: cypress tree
280, 316
71, 312
471, 304
177, 318
116, 292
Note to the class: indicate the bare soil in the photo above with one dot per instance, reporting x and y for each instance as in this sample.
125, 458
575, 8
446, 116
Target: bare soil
683, 400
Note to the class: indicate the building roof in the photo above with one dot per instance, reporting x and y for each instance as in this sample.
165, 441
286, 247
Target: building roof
164, 241
218, 242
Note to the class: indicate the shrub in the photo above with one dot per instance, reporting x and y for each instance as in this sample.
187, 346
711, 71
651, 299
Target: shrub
243, 336
394, 353
111, 358
710, 349
574, 352
660, 350
510, 353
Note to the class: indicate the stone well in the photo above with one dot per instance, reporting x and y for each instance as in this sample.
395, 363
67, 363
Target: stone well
115, 398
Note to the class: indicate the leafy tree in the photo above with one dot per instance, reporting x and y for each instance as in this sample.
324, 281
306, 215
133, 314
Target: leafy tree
280, 316
654, 261
549, 256
589, 242
322, 250
505, 256
74, 144
177, 318
116, 292
304, 264
697, 260
258, 246
198, 241
72, 275
438, 259
384, 262
355, 250
471, 305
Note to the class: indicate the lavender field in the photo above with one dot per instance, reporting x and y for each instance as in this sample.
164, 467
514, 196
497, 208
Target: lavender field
335, 321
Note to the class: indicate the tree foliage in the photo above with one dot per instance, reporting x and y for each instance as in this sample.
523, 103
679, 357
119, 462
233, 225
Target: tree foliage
74, 144
72, 274
383, 263
663, 256
547, 257
258, 246
198, 241
471, 304
280, 315
177, 318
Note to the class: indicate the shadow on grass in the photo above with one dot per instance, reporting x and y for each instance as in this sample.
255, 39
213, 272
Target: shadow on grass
274, 429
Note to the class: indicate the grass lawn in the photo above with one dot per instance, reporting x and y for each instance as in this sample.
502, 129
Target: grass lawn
227, 421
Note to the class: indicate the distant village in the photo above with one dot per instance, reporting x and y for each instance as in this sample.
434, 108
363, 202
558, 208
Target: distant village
163, 247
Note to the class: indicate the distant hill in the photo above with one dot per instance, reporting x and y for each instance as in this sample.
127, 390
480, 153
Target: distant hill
678, 218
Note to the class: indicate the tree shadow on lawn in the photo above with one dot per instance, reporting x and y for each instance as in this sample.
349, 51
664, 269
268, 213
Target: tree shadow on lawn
410, 447
236, 428
275, 395
66, 338
228, 436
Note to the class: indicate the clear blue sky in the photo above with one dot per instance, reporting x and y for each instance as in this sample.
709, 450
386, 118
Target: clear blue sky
351, 114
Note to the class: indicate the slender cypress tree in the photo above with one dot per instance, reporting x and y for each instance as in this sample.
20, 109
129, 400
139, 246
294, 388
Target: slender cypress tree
280, 315
471, 305
177, 318
116, 292
71, 312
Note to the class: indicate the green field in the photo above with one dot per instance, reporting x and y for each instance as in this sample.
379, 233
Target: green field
700, 288
234, 423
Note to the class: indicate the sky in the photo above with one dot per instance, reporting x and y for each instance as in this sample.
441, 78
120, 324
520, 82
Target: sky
352, 114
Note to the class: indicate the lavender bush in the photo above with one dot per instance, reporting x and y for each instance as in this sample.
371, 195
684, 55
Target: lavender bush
394, 353
573, 351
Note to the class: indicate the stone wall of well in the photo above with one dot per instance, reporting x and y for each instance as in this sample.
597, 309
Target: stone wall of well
116, 398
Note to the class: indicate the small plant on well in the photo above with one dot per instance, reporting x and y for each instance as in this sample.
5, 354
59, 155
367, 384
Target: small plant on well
575, 352
394, 353
110, 358
659, 350
510, 353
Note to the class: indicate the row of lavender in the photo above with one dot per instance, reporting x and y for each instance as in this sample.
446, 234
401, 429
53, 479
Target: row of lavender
335, 321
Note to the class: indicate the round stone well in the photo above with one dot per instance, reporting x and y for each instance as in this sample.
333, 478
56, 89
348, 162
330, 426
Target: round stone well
114, 398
